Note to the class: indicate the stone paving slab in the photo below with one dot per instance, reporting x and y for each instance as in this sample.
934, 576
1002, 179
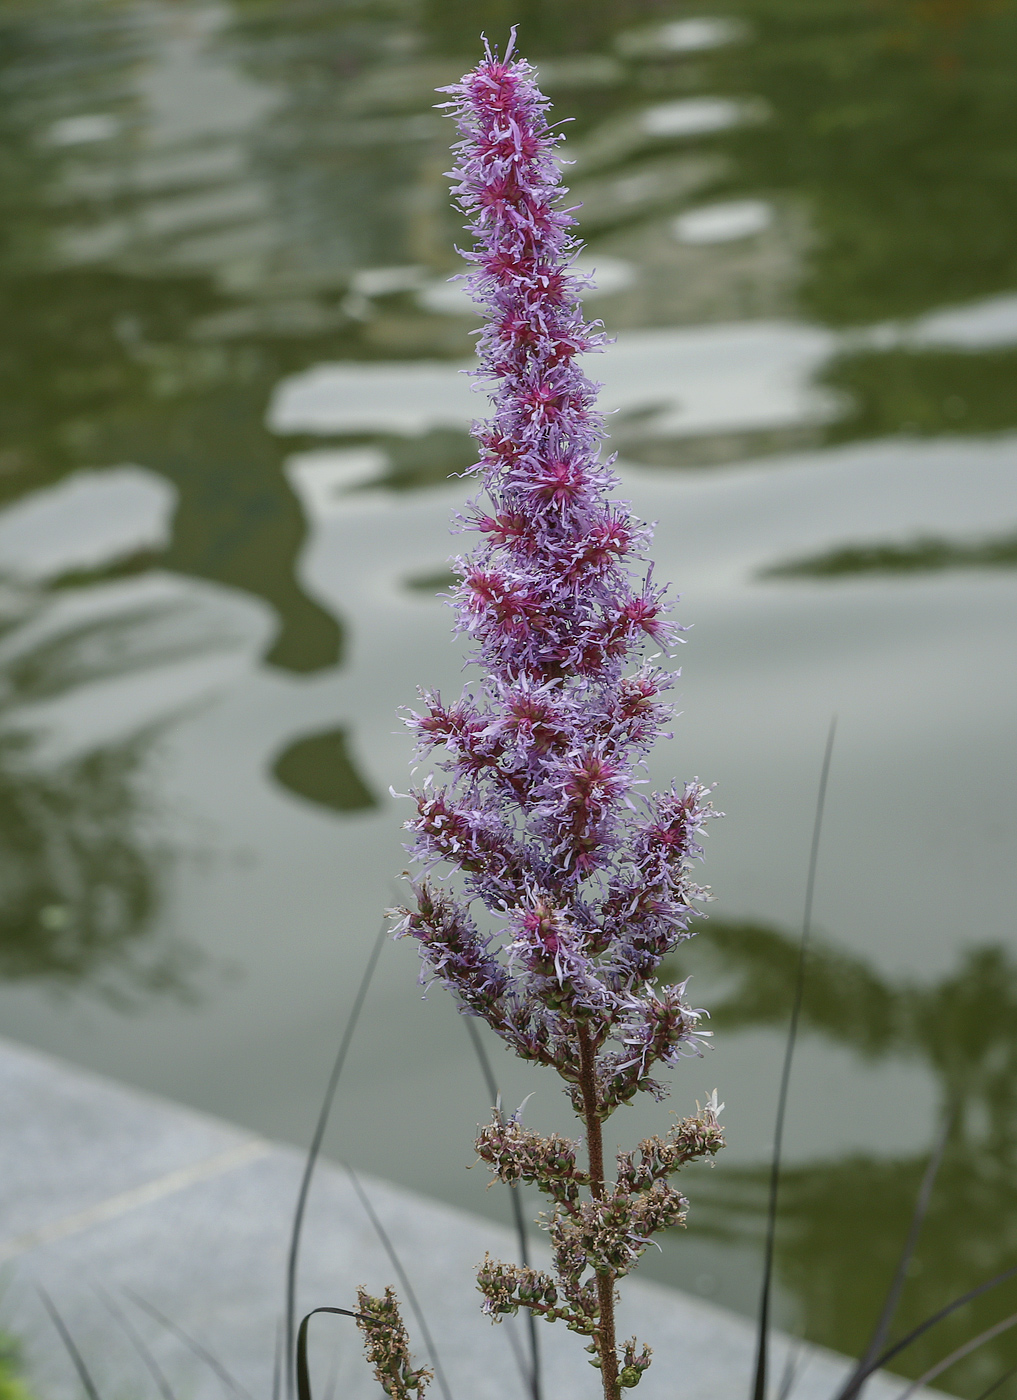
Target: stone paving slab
106, 1192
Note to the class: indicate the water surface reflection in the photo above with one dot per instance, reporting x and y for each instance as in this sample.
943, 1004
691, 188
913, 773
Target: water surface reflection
844, 1221
81, 865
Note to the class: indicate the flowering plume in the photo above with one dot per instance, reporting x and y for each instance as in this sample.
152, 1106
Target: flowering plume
583, 885
587, 882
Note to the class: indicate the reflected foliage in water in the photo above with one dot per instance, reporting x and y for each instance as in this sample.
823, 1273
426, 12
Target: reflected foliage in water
892, 119
919, 556
139, 636
429, 459
86, 395
78, 889
882, 140
80, 880
924, 392
237, 522
843, 1223
319, 768
106, 363
439, 582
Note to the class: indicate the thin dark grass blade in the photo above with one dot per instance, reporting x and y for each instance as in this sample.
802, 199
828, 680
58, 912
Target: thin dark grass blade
77, 1359
404, 1283
856, 1380
763, 1326
533, 1379
277, 1359
201, 1352
1000, 1380
490, 1083
139, 1344
314, 1151
945, 1311
303, 1374
959, 1354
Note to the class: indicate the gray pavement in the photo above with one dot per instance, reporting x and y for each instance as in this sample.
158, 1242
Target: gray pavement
105, 1191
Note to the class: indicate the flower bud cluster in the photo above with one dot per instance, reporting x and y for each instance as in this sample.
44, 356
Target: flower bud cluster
509, 1287
387, 1346
515, 1153
689, 1139
633, 1366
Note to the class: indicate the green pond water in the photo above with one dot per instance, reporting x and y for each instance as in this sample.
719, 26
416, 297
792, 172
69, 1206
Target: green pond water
231, 427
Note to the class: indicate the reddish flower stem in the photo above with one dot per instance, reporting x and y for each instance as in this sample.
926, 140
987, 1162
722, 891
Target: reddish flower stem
604, 1337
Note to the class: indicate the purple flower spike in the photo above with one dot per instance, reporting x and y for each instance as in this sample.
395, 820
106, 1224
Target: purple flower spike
566, 883
587, 880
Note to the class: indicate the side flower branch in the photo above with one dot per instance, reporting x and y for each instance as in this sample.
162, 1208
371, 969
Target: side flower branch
605, 1234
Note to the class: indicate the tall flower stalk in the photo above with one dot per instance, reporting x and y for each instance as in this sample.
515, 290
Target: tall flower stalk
563, 884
